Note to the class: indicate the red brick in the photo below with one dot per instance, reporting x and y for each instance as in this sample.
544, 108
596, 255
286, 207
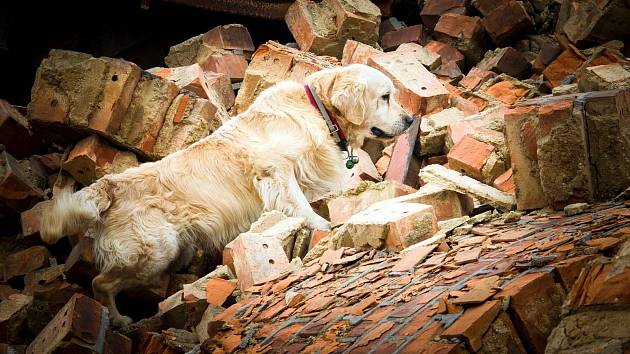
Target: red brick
78, 327
86, 92
505, 182
449, 72
564, 65
473, 324
31, 219
535, 302
521, 142
19, 190
144, 118
468, 256
447, 52
273, 62
475, 78
24, 262
506, 92
433, 9
469, 156
15, 134
485, 7
506, 61
232, 65
92, 158
507, 22
317, 235
412, 34
357, 53
13, 318
218, 290
233, 37
464, 33
404, 165
413, 258
547, 54
418, 91
601, 283
568, 270
220, 84
257, 258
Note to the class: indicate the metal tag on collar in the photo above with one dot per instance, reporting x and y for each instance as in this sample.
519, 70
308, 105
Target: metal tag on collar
352, 160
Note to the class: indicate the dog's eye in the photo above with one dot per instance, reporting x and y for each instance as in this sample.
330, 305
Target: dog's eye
385, 97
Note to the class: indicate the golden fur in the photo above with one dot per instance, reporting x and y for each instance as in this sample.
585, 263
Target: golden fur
277, 155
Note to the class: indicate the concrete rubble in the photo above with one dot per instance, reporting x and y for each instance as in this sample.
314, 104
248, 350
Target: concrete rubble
499, 222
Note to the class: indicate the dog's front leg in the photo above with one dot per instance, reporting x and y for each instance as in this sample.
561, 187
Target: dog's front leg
281, 191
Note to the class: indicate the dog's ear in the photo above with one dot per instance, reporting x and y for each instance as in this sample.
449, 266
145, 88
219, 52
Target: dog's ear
349, 99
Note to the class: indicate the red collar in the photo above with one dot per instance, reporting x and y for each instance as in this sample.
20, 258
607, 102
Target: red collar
333, 126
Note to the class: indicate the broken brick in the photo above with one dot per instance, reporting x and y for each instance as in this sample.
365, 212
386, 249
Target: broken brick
403, 165
232, 37
15, 133
80, 91
464, 33
535, 301
475, 78
273, 62
394, 225
357, 53
77, 327
433, 9
564, 65
218, 290
447, 52
13, 318
473, 324
505, 182
429, 59
604, 77
412, 34
418, 91
24, 262
31, 219
20, 189
257, 259
507, 21
469, 156
92, 158
505, 61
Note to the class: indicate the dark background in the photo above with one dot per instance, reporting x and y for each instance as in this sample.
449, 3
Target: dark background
113, 28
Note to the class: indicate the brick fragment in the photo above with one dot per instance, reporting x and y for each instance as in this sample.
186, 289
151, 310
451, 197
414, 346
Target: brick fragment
21, 185
412, 34
413, 258
145, 116
31, 219
485, 7
79, 326
473, 324
80, 91
469, 156
322, 28
447, 52
507, 21
502, 337
505, 182
418, 91
547, 54
464, 33
188, 120
535, 302
257, 258
92, 158
433, 130
506, 91
24, 262
404, 165
353, 201
564, 65
453, 180
447, 204
13, 318
232, 65
433, 9
475, 78
429, 59
505, 61
580, 23
218, 290
604, 77
273, 62
233, 37
15, 132
393, 225
357, 53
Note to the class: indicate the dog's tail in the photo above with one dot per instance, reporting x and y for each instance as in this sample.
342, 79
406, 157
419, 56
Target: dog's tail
72, 213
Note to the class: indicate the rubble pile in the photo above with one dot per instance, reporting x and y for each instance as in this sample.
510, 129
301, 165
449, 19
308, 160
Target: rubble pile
499, 222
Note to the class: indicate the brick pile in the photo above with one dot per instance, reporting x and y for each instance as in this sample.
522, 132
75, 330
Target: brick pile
499, 222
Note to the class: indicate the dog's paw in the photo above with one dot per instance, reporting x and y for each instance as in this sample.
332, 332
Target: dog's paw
121, 321
320, 224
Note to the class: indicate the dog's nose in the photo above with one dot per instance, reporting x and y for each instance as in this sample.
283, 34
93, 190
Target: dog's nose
408, 121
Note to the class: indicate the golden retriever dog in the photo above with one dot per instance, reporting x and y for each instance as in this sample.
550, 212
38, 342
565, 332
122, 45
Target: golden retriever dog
276, 155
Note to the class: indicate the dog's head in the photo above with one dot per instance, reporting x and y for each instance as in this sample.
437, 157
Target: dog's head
363, 100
